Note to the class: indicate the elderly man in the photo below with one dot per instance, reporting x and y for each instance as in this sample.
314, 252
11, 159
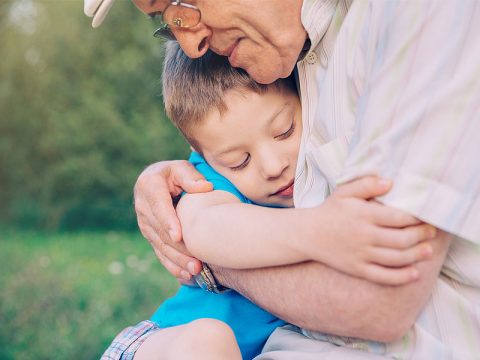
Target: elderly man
387, 88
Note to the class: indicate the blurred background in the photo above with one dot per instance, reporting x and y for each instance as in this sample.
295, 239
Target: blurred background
80, 116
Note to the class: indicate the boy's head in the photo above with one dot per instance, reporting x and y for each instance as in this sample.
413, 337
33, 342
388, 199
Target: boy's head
248, 132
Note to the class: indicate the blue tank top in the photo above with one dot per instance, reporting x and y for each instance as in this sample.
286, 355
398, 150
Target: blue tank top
251, 324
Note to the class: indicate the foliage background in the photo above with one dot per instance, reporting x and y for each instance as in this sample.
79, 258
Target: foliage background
80, 116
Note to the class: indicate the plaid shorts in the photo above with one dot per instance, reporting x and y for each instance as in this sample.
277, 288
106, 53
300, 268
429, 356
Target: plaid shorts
125, 344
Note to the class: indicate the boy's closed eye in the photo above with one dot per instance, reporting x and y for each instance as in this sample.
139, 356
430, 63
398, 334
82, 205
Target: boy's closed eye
284, 135
287, 133
242, 165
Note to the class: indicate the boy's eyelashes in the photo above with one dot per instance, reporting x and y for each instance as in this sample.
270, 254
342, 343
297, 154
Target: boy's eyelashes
282, 136
242, 165
287, 133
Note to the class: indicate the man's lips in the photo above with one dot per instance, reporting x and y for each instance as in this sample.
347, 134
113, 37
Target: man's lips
230, 52
286, 190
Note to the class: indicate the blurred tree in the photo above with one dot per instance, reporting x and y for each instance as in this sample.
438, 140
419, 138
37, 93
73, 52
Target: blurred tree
81, 114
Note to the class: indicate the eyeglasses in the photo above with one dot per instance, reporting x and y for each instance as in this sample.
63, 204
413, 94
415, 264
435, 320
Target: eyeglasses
177, 15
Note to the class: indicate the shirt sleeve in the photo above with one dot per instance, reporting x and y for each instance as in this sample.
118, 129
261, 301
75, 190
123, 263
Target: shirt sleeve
418, 120
219, 181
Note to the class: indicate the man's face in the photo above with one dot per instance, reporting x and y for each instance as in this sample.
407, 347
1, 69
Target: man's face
254, 143
263, 37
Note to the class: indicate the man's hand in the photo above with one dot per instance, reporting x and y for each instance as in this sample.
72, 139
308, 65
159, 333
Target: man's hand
156, 216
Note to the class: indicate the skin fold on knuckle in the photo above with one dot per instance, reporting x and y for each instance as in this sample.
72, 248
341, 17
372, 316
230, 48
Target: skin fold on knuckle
182, 170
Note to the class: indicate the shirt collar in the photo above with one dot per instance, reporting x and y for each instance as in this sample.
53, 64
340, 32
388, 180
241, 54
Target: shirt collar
323, 19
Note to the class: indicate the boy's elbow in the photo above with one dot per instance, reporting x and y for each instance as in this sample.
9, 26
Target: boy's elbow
191, 236
189, 221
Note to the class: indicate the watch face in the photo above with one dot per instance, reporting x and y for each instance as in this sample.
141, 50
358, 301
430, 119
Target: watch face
200, 281
206, 281
203, 281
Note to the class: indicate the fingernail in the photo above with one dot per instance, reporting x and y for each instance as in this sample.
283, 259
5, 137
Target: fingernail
202, 182
427, 250
432, 232
185, 275
191, 267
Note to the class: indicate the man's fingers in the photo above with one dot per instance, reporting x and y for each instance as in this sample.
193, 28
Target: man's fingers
173, 269
398, 258
157, 208
156, 214
187, 263
164, 219
185, 176
190, 282
177, 257
406, 237
366, 188
390, 276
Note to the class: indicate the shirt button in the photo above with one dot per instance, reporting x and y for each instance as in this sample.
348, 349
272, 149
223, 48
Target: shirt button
311, 57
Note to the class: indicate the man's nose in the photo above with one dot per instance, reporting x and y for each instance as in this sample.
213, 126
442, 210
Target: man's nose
194, 41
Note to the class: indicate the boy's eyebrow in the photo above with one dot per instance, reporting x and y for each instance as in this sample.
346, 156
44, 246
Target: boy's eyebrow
272, 118
226, 151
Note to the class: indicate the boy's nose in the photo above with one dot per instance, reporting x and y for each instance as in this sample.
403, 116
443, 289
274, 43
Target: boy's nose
274, 167
194, 41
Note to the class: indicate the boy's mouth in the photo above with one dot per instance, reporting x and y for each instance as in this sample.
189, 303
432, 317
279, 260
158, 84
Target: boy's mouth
285, 191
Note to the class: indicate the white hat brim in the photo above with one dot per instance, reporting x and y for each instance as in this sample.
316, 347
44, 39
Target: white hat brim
98, 9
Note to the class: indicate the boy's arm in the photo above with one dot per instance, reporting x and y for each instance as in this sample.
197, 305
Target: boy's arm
221, 230
346, 232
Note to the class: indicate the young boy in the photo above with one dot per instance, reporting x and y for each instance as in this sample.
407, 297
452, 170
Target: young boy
246, 138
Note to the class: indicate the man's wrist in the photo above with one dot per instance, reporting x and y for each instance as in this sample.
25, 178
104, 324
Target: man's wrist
207, 281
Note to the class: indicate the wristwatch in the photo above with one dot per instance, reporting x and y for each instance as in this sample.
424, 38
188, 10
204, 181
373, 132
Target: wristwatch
206, 281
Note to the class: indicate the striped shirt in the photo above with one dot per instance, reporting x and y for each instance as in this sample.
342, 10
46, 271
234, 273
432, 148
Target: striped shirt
393, 88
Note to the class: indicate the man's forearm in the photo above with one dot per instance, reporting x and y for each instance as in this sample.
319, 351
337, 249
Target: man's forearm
319, 298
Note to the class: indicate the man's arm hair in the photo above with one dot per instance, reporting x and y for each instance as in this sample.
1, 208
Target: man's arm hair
316, 297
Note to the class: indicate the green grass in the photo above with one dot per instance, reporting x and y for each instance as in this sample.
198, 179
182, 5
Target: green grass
65, 296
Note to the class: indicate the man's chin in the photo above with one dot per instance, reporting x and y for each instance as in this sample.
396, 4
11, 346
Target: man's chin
263, 77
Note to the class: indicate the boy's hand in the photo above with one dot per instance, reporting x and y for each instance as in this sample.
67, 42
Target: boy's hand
369, 240
156, 216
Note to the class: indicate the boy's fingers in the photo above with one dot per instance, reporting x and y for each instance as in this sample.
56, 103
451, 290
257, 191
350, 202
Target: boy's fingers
390, 276
398, 258
404, 238
387, 216
364, 188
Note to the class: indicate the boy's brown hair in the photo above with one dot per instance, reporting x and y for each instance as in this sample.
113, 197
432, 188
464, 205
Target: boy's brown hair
193, 87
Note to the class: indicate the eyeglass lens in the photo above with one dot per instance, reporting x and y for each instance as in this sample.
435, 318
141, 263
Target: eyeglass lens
181, 16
